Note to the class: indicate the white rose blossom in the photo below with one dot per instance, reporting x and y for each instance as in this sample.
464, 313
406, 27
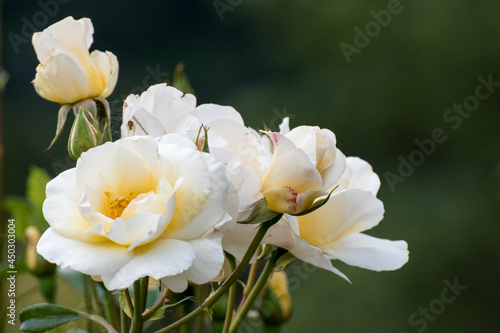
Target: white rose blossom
292, 169
139, 207
67, 72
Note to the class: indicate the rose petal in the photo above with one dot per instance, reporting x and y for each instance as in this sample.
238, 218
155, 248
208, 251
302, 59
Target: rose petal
346, 212
368, 252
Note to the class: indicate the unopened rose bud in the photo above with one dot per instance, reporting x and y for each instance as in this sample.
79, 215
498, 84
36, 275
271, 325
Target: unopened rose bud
84, 134
276, 305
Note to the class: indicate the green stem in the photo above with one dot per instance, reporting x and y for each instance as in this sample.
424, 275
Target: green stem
95, 298
167, 293
228, 283
199, 293
87, 300
250, 281
109, 310
231, 298
123, 321
261, 282
136, 325
144, 292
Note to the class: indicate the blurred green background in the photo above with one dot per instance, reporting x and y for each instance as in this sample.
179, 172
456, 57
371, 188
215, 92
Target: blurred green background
271, 59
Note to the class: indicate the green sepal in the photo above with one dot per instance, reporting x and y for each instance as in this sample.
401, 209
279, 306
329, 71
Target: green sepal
85, 134
261, 213
317, 204
61, 120
284, 261
202, 145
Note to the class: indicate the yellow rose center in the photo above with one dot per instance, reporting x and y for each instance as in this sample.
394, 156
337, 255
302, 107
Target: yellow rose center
117, 203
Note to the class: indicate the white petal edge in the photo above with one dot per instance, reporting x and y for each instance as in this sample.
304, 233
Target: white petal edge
368, 252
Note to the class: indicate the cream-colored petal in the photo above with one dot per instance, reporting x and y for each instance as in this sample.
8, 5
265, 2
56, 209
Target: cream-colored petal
368, 252
170, 106
161, 258
238, 139
346, 212
140, 122
209, 258
61, 80
107, 66
304, 137
331, 174
68, 36
60, 209
201, 197
312, 255
104, 169
290, 167
360, 175
206, 113
86, 257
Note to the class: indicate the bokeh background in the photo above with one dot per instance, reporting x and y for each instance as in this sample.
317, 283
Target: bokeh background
271, 59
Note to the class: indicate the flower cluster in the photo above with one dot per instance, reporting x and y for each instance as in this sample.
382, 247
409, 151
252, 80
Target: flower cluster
186, 182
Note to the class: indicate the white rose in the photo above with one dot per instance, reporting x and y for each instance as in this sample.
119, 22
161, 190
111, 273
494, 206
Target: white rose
67, 73
139, 207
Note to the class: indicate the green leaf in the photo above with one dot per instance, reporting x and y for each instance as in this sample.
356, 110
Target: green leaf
43, 317
125, 305
158, 313
40, 318
260, 213
35, 192
181, 81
